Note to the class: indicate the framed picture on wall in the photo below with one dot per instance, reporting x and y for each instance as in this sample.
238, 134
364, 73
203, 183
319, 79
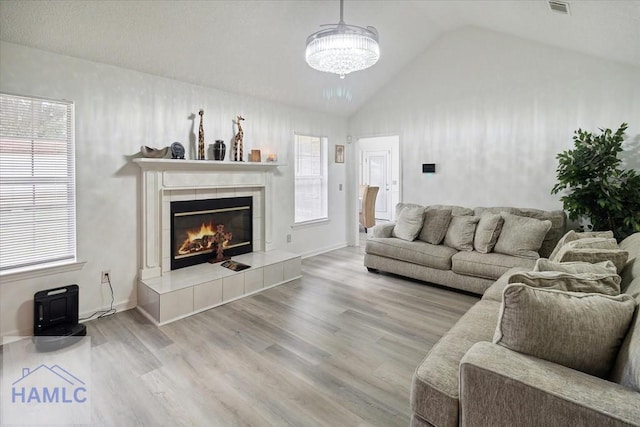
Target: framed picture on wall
339, 153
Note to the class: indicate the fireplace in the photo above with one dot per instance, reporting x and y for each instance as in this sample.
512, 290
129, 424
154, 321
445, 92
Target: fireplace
199, 226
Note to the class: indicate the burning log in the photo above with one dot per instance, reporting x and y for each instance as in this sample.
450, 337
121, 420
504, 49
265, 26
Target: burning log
205, 239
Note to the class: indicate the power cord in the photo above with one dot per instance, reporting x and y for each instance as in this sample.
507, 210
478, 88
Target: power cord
103, 313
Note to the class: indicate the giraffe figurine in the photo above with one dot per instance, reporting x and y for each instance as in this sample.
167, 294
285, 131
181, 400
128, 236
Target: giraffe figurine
201, 138
237, 141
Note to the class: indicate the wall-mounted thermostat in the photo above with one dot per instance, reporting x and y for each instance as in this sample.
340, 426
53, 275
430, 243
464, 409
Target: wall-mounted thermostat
428, 168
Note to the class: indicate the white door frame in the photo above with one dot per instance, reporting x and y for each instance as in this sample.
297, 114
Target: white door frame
357, 174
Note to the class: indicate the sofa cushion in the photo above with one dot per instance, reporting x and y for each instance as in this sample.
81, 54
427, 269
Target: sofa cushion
579, 330
460, 232
409, 223
631, 269
593, 255
494, 293
607, 283
521, 236
586, 243
455, 210
627, 368
489, 266
487, 232
434, 391
435, 225
558, 220
544, 264
417, 252
572, 235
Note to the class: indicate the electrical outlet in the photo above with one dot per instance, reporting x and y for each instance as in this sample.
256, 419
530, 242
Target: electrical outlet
105, 276
288, 238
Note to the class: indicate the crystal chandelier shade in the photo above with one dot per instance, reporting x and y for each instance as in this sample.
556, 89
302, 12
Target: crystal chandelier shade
342, 49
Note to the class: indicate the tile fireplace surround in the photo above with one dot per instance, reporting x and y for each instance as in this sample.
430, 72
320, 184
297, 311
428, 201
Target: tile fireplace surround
165, 295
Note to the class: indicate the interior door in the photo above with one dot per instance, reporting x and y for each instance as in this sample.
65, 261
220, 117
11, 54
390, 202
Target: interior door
376, 174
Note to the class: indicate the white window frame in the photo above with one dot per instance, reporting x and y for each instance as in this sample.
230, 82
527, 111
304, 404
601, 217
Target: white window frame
37, 186
318, 201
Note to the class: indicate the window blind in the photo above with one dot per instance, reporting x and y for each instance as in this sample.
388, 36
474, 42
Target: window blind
37, 182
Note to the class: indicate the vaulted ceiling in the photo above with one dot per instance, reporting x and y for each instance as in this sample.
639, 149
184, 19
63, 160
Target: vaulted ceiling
257, 47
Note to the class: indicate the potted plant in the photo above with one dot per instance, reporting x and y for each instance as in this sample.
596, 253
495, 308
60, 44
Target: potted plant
596, 186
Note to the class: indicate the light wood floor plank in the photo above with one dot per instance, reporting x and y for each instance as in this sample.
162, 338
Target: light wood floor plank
335, 348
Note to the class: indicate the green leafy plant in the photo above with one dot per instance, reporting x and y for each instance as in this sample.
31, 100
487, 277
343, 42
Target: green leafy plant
596, 186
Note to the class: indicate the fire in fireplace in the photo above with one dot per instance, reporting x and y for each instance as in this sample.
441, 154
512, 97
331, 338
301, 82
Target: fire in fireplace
198, 227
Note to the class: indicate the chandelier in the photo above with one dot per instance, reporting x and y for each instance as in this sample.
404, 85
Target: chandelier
341, 48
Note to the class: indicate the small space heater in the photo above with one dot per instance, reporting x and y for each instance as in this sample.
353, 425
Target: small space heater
55, 318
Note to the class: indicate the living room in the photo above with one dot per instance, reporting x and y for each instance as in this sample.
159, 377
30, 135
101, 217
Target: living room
490, 107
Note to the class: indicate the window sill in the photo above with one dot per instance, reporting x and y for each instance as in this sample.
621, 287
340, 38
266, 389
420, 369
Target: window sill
45, 270
311, 223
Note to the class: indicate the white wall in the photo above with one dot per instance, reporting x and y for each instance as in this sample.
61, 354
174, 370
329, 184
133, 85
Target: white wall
492, 111
117, 111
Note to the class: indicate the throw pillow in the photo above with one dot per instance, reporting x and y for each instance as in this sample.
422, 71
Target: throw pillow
543, 264
436, 223
521, 236
616, 256
572, 235
589, 243
607, 283
409, 223
586, 234
460, 232
577, 330
487, 232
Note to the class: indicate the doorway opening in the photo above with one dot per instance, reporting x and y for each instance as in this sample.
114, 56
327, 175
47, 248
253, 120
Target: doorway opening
380, 167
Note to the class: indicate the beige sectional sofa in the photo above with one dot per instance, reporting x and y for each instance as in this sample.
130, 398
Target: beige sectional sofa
467, 379
468, 270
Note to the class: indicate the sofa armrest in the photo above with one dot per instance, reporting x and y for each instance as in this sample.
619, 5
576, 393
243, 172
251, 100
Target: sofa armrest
382, 230
501, 387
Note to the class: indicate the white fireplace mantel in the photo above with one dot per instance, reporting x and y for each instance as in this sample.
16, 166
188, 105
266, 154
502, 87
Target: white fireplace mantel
166, 180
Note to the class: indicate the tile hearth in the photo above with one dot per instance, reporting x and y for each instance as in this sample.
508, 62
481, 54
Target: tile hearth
181, 293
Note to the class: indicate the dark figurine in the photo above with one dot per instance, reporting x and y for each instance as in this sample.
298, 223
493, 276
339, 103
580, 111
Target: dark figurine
177, 151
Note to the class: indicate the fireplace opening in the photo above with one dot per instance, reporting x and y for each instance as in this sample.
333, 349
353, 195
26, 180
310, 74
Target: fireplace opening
199, 226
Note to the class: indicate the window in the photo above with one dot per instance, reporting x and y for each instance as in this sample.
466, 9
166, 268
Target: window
37, 182
311, 178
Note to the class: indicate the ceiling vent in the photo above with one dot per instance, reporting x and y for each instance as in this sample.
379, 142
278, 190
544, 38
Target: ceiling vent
559, 7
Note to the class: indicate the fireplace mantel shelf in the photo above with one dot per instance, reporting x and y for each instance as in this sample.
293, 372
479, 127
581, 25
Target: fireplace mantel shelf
212, 165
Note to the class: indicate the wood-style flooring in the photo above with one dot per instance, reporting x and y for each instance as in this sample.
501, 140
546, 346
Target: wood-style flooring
335, 348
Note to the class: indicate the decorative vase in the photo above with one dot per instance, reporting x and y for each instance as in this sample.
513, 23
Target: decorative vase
219, 150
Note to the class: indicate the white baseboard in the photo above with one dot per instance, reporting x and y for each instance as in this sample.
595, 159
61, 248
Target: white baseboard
16, 334
323, 250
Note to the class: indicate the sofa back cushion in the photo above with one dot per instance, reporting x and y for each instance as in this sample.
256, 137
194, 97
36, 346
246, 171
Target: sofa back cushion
631, 270
543, 264
572, 235
455, 210
569, 253
607, 282
521, 236
627, 368
558, 220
